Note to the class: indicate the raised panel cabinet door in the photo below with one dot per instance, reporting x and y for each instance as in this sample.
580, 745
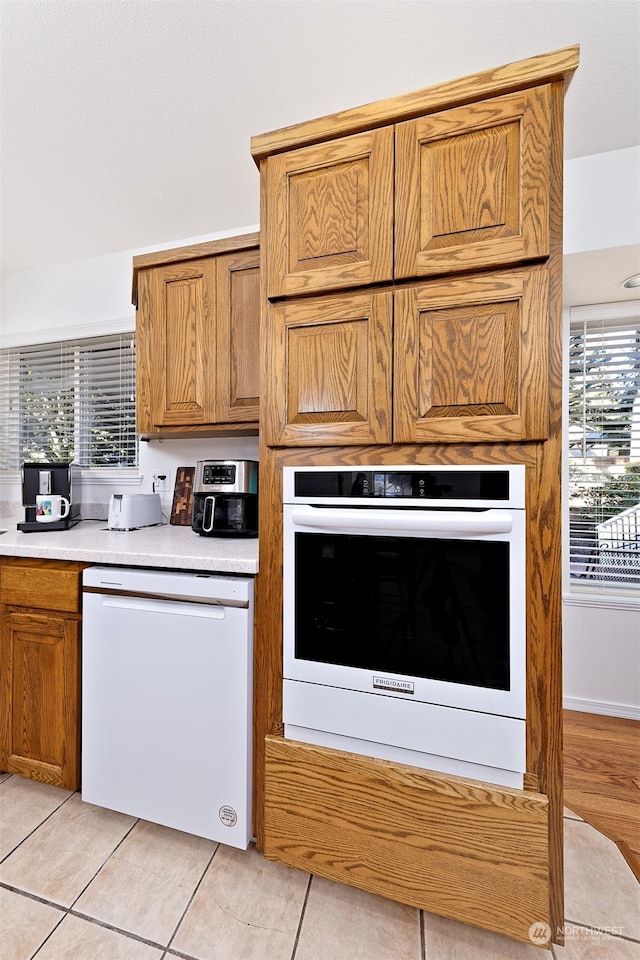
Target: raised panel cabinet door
180, 358
330, 215
329, 363
40, 732
473, 185
237, 375
471, 358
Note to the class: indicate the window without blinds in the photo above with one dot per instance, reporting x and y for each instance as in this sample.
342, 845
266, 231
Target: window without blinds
73, 400
604, 448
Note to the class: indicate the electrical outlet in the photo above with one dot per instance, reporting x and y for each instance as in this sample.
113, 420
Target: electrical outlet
160, 483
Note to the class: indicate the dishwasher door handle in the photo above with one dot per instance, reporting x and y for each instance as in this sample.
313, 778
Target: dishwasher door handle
173, 607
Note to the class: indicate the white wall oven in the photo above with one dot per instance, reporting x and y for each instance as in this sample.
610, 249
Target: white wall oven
404, 615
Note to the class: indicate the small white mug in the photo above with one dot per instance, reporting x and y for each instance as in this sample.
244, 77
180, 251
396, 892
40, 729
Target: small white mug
51, 507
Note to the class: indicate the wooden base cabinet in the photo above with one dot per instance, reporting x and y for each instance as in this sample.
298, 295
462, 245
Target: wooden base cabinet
410, 835
198, 332
40, 661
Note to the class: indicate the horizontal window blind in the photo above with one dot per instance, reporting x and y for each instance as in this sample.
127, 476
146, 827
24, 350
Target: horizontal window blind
604, 451
72, 400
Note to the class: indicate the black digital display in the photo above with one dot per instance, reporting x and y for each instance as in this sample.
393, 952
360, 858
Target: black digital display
396, 484
219, 473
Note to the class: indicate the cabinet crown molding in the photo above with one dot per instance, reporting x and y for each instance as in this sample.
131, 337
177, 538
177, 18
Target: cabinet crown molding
557, 65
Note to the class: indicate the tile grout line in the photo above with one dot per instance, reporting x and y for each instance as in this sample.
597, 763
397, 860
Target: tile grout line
33, 896
68, 910
110, 926
42, 822
104, 862
191, 899
48, 936
601, 928
302, 913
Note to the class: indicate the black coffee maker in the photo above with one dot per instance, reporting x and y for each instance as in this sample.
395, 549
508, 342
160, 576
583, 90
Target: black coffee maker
48, 479
225, 498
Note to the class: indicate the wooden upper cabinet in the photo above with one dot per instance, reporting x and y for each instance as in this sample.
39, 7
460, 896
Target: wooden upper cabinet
330, 215
472, 358
473, 185
463, 189
198, 330
237, 338
464, 359
182, 300
330, 370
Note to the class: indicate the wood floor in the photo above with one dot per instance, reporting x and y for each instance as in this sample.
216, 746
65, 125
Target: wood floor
602, 777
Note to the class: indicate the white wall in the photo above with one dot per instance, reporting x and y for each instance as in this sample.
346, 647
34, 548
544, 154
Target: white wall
601, 656
165, 456
601, 638
82, 298
602, 201
602, 210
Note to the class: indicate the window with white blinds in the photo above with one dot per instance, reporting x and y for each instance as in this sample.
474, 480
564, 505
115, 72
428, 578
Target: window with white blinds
604, 447
73, 400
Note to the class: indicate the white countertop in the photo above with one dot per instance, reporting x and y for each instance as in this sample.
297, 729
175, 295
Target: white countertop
174, 547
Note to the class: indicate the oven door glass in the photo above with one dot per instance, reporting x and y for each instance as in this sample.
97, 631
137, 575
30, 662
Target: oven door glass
421, 607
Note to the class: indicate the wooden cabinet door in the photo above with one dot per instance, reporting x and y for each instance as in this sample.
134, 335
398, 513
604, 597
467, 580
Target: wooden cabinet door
40, 732
176, 333
471, 359
330, 215
237, 375
330, 370
473, 185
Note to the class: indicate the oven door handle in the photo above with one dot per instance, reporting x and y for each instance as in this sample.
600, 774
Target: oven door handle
423, 521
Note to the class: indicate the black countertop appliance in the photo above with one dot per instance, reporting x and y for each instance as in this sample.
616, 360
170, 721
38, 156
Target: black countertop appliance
49, 479
225, 498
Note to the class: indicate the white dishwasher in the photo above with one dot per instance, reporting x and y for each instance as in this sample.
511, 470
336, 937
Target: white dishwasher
167, 667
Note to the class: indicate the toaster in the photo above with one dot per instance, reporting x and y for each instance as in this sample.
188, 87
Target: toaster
129, 511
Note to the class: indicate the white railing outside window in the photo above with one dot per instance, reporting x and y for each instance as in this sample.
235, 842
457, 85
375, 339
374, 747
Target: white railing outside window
604, 447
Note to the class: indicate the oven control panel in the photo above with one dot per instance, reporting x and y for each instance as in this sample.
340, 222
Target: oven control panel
420, 484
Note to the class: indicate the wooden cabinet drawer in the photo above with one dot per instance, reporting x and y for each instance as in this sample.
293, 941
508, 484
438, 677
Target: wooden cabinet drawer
44, 584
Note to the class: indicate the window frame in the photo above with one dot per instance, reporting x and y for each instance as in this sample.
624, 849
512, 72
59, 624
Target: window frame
99, 473
603, 592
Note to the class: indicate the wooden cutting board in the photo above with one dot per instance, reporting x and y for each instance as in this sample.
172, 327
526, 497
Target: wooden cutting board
183, 496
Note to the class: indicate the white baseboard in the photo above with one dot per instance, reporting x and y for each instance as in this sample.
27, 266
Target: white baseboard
623, 710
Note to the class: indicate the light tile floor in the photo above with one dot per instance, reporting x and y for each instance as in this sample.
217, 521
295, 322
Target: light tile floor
81, 883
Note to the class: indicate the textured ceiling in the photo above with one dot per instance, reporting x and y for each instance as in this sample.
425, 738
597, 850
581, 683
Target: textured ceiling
126, 123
